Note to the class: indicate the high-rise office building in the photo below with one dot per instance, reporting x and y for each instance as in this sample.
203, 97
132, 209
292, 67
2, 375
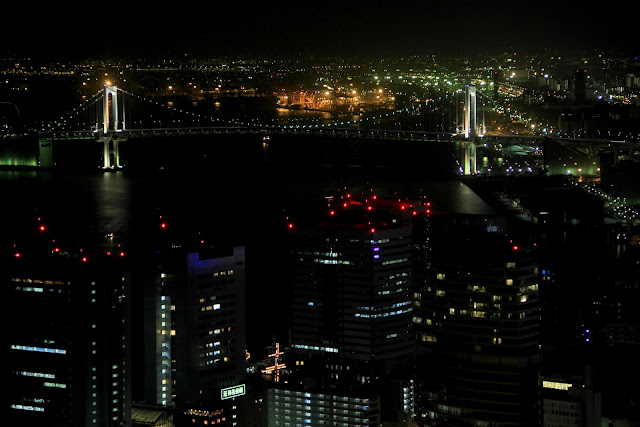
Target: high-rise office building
477, 320
69, 343
351, 283
195, 333
351, 314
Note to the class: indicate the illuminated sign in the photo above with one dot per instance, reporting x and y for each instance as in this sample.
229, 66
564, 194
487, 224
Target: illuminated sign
231, 392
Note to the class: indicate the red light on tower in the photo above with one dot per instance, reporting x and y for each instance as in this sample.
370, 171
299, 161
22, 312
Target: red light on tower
290, 226
163, 225
18, 255
515, 247
43, 228
84, 259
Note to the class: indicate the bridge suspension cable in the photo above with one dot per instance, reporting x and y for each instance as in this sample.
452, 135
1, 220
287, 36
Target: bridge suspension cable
89, 102
248, 121
274, 122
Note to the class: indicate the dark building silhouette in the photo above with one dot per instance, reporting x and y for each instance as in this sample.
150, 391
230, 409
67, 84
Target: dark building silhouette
580, 88
352, 285
69, 346
477, 319
568, 395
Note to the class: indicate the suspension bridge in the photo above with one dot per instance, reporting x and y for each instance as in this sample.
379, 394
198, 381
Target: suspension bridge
114, 115
112, 122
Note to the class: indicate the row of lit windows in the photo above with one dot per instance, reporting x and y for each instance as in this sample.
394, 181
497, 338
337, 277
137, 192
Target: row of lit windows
556, 385
523, 298
38, 281
38, 349
29, 289
223, 273
387, 314
322, 397
482, 288
315, 347
214, 353
28, 408
35, 374
396, 283
54, 385
395, 261
387, 292
298, 408
356, 417
419, 320
214, 361
332, 261
428, 338
484, 314
396, 305
219, 331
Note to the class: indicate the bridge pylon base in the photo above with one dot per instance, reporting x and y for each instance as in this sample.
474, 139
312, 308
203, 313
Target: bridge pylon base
111, 151
469, 165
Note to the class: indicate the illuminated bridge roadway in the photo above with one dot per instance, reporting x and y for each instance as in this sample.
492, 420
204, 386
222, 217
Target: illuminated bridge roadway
114, 131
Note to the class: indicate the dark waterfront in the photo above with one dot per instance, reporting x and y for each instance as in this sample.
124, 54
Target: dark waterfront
222, 190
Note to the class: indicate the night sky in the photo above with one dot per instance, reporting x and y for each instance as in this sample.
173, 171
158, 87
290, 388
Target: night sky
286, 28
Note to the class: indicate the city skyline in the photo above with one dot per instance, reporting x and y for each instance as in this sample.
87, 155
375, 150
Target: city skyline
432, 239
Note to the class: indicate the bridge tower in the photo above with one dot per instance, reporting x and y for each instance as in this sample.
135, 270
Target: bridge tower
470, 112
470, 130
111, 134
